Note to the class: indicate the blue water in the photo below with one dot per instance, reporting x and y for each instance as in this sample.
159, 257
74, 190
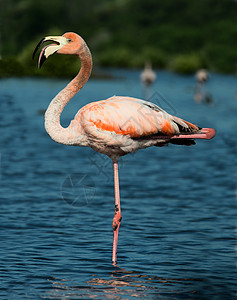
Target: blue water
178, 233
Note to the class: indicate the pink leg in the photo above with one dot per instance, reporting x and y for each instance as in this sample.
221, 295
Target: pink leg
117, 216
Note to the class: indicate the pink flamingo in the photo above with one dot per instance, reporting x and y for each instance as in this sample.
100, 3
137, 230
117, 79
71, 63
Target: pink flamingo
115, 126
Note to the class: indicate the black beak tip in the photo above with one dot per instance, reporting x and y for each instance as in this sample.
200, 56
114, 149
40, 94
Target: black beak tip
37, 47
41, 61
33, 55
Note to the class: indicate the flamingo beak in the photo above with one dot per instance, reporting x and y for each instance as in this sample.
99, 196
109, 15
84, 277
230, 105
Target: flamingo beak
58, 43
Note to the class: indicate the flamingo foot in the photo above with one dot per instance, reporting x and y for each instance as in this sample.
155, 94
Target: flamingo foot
206, 133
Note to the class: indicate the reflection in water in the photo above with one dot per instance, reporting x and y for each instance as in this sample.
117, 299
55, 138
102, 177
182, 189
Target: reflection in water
122, 284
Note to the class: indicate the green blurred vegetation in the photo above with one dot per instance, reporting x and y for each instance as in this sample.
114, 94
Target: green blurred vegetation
182, 35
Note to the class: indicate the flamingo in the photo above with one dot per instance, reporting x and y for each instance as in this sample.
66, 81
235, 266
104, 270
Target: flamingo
115, 126
148, 77
202, 76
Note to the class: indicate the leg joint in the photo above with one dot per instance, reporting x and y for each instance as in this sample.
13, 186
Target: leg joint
116, 220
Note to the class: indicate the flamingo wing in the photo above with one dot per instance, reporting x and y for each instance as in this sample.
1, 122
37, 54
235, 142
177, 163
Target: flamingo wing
132, 117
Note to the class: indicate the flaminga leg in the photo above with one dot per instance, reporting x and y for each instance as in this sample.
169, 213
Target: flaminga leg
117, 216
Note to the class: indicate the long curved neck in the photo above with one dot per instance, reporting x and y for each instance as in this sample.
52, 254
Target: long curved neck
52, 116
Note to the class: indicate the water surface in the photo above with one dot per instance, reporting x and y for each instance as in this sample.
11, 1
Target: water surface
177, 236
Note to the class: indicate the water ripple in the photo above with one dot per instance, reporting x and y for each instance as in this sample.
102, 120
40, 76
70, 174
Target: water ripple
177, 236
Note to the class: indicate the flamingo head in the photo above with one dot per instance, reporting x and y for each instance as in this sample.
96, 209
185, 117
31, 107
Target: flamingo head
68, 43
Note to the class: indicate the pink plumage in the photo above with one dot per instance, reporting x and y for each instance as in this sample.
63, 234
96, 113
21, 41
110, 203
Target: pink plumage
115, 126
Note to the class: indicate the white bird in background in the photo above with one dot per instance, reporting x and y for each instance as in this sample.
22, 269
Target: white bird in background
148, 77
200, 94
202, 75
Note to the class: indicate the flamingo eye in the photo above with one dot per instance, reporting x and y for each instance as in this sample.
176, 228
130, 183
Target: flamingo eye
69, 40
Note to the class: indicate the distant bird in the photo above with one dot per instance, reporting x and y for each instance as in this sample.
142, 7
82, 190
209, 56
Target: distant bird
148, 77
116, 126
200, 95
202, 75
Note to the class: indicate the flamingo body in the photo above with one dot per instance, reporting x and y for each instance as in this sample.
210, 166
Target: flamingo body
121, 125
115, 126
